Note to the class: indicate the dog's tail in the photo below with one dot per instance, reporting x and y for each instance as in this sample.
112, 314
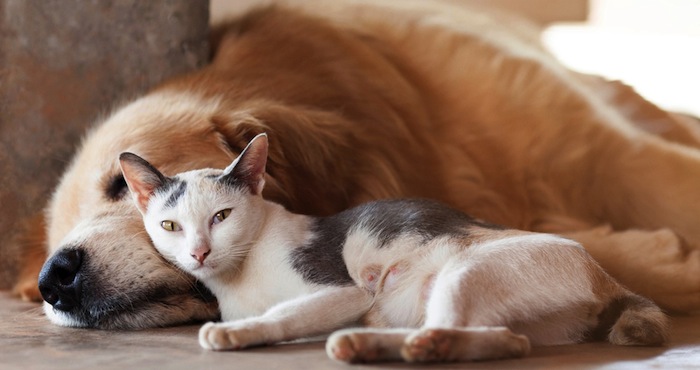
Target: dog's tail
632, 320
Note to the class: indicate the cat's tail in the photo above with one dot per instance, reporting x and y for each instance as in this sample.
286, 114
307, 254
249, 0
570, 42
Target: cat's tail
632, 320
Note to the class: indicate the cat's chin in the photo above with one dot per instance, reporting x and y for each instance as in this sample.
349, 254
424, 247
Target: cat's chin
201, 271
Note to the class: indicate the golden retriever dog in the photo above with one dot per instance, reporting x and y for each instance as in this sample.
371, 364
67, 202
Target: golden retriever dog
368, 100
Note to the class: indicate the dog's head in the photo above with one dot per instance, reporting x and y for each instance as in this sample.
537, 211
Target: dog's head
336, 139
102, 270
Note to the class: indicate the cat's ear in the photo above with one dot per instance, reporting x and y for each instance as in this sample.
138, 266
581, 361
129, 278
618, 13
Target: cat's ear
141, 177
249, 168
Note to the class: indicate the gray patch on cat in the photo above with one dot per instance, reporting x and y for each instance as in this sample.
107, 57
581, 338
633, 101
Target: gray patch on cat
176, 188
321, 260
389, 219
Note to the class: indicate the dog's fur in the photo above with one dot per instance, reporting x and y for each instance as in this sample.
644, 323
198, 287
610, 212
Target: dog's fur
364, 101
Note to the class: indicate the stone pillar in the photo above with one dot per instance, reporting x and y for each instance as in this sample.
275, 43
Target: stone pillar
62, 64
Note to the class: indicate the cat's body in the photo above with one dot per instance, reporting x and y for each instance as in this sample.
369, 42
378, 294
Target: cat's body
447, 284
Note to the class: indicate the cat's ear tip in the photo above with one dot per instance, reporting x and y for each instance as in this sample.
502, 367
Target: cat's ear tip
125, 156
262, 137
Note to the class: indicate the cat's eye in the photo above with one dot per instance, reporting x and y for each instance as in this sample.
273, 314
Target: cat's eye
221, 215
170, 226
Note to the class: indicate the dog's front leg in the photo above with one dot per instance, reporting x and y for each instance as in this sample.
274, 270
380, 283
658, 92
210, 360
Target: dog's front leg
647, 190
306, 316
654, 263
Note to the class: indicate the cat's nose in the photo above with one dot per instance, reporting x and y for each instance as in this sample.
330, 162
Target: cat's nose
200, 254
59, 279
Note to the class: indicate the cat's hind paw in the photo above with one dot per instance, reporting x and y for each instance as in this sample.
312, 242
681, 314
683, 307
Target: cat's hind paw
468, 344
427, 346
365, 345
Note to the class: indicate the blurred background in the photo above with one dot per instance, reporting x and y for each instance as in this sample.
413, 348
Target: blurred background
652, 45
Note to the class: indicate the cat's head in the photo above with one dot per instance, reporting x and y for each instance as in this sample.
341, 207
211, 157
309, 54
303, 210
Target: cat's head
204, 221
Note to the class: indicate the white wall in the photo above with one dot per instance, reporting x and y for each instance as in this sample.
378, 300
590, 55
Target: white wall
653, 45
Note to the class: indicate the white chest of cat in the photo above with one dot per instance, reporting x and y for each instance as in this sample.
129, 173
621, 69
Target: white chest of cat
265, 277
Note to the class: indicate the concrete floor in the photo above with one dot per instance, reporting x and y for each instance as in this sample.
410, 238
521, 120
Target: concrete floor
29, 341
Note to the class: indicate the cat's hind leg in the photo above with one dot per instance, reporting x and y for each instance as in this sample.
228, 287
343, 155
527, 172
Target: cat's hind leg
445, 335
448, 334
425, 345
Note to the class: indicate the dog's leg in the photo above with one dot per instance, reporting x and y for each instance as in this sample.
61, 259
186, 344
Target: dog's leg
643, 182
315, 314
32, 246
26, 286
656, 264
651, 186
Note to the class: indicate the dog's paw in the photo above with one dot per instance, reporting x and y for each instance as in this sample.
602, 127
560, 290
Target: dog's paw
27, 291
438, 345
226, 336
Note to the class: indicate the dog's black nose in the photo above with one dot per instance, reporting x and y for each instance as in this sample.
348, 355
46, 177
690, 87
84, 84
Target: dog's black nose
59, 279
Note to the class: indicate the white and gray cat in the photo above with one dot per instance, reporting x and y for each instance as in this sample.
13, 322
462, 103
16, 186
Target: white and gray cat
426, 282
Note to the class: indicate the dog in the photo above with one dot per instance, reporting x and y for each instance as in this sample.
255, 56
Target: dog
365, 101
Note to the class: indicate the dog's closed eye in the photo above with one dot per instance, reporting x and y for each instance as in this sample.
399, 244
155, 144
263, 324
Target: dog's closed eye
116, 189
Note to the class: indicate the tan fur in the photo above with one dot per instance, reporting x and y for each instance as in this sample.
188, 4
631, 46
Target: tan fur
406, 99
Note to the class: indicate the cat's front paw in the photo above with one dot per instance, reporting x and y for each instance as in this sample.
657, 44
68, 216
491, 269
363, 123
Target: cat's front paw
226, 336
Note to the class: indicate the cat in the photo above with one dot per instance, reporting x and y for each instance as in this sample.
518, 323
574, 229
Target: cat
424, 281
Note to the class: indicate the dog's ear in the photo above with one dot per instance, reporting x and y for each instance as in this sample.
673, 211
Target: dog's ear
304, 155
141, 177
237, 129
249, 167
